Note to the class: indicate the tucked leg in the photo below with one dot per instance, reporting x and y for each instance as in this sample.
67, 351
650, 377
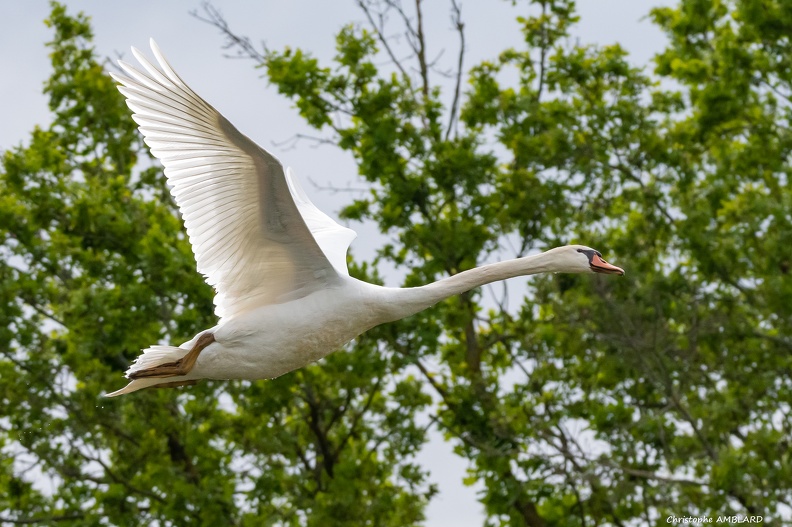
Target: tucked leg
179, 367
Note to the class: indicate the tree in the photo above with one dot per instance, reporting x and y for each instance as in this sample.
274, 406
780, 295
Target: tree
596, 402
95, 262
638, 399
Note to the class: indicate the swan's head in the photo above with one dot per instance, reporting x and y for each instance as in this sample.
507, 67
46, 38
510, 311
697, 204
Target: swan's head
582, 259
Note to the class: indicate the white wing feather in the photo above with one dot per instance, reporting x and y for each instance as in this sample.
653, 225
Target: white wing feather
242, 216
333, 239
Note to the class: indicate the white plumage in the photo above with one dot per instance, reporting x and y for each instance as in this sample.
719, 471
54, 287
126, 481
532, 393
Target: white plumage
278, 263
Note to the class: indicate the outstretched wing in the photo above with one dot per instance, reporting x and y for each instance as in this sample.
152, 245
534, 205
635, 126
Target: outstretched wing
249, 239
333, 239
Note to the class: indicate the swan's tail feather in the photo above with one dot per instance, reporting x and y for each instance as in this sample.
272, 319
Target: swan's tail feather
137, 384
151, 357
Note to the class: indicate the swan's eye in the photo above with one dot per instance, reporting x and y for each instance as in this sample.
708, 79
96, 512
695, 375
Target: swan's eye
580, 250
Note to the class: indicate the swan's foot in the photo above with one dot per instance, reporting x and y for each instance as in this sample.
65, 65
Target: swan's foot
179, 367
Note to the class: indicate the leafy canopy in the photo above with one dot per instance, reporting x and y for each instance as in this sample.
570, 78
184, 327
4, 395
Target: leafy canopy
588, 402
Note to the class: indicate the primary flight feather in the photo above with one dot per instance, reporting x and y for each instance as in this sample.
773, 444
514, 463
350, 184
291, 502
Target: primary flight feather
284, 296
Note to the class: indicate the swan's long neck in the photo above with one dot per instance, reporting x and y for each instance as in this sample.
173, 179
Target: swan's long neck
400, 303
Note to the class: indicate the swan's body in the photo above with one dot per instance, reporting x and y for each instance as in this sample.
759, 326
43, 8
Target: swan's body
284, 295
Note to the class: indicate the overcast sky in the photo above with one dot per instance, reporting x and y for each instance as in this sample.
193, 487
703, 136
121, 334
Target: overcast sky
238, 91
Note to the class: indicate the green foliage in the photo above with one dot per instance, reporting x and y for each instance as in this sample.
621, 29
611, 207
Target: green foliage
662, 393
593, 401
95, 264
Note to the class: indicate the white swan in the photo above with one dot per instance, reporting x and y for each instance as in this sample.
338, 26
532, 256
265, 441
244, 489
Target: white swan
284, 295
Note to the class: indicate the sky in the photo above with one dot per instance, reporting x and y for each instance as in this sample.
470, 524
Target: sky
241, 93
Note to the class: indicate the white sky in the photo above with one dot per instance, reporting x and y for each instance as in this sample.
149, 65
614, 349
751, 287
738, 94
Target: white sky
238, 90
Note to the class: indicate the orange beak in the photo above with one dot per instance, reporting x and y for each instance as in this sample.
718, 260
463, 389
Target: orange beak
598, 265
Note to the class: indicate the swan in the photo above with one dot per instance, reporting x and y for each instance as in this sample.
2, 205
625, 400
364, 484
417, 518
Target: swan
284, 296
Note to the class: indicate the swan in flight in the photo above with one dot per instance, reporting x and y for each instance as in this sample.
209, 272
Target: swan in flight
284, 296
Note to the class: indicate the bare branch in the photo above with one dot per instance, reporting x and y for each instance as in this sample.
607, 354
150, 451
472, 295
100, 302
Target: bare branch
379, 30
542, 56
410, 33
291, 142
456, 19
245, 47
422, 51
415, 39
335, 190
646, 474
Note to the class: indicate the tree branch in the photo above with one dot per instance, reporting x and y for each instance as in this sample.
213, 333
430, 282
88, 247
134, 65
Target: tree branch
356, 419
47, 520
542, 56
456, 19
419, 33
379, 30
215, 18
315, 424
